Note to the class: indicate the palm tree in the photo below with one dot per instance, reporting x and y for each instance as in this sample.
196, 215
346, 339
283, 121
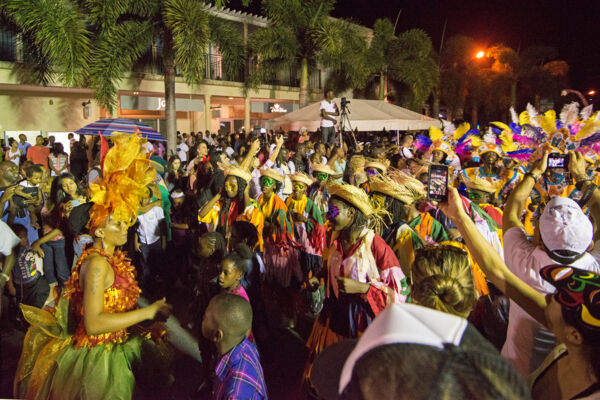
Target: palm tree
406, 58
97, 42
302, 34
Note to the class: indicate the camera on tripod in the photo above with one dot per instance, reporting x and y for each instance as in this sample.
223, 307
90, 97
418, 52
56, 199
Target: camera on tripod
344, 102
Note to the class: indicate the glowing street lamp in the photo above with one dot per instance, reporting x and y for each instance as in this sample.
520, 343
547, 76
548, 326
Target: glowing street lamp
591, 92
480, 54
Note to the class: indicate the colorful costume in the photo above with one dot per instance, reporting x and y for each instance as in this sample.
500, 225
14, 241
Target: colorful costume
504, 180
430, 229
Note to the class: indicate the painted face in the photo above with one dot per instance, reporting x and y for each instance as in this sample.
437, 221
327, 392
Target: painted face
230, 276
284, 154
340, 215
489, 157
267, 185
371, 171
113, 232
299, 189
322, 176
231, 187
69, 187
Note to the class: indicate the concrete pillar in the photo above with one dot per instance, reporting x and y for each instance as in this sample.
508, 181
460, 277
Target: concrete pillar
247, 106
207, 112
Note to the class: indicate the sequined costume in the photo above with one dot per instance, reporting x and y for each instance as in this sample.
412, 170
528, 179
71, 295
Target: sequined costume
57, 363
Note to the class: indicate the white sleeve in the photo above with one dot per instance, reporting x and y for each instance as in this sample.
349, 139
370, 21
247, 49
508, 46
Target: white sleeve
323, 105
8, 239
160, 214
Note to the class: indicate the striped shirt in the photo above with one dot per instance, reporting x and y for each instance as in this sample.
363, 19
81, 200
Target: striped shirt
239, 375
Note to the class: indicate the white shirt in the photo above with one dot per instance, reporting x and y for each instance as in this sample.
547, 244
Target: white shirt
405, 152
149, 147
182, 150
328, 107
149, 225
8, 239
527, 341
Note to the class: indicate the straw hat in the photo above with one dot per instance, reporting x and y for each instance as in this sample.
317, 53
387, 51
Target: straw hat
271, 173
324, 168
300, 177
402, 187
376, 164
479, 184
353, 195
240, 173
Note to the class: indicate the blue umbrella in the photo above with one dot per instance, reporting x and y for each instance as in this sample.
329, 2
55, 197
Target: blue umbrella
126, 125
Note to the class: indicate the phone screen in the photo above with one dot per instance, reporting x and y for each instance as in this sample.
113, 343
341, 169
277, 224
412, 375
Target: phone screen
556, 161
437, 184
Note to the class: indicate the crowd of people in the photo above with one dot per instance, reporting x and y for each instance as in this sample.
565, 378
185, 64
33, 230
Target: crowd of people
493, 292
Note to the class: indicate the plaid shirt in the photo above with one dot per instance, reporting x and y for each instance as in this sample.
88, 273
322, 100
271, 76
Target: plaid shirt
239, 375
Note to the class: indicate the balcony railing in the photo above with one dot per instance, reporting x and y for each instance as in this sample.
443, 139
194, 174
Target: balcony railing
151, 63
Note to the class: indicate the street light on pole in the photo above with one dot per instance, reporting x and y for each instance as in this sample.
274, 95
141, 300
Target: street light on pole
480, 54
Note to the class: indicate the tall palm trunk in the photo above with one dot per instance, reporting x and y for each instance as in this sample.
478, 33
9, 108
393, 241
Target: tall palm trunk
170, 107
382, 79
303, 98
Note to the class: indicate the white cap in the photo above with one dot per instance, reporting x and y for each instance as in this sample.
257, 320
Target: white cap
564, 226
263, 130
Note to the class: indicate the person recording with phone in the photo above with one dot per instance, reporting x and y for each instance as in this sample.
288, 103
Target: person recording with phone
329, 110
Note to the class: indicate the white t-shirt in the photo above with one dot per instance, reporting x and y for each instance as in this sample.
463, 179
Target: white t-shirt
149, 147
149, 225
328, 107
8, 239
527, 341
182, 151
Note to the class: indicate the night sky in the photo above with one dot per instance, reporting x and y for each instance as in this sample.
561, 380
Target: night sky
572, 26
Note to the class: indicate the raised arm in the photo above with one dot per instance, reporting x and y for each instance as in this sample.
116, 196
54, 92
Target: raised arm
277, 149
247, 161
516, 202
94, 281
491, 263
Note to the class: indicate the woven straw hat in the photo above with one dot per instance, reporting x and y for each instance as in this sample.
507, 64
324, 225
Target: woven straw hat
376, 164
235, 171
401, 187
479, 184
353, 195
300, 177
323, 168
271, 173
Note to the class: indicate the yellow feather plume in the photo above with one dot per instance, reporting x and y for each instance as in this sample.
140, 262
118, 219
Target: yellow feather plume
476, 141
501, 125
590, 126
461, 130
524, 118
435, 133
507, 142
547, 121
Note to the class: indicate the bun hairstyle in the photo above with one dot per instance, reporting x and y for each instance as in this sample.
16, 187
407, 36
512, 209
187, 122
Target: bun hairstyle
241, 257
442, 279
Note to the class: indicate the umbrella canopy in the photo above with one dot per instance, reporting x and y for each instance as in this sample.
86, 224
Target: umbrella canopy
126, 125
365, 115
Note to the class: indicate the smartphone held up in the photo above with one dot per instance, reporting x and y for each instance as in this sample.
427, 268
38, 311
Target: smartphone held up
437, 183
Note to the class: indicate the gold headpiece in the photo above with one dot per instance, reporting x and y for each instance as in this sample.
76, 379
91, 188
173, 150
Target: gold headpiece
127, 172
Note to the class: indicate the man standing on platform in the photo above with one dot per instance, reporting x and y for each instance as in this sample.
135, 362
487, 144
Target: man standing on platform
329, 110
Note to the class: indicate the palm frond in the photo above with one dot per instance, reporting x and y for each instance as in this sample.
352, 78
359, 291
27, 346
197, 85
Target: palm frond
188, 24
58, 31
115, 51
230, 41
36, 68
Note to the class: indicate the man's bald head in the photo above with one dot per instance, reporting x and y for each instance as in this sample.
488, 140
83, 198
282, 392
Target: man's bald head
231, 314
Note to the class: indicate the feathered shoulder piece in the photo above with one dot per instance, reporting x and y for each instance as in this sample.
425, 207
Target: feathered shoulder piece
127, 172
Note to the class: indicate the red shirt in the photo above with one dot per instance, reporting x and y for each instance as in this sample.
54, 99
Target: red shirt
39, 155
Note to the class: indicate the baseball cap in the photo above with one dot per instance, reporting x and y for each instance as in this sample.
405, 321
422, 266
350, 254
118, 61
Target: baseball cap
423, 353
578, 292
566, 231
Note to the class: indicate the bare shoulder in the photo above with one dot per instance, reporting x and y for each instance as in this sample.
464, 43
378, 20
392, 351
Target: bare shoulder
96, 267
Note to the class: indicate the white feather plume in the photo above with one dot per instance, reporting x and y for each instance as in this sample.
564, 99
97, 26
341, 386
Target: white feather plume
513, 116
586, 112
569, 113
489, 137
532, 114
449, 128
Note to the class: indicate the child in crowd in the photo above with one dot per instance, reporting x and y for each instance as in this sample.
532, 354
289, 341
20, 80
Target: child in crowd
28, 196
30, 285
233, 268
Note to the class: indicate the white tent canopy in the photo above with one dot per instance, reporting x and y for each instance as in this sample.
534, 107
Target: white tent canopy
365, 115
